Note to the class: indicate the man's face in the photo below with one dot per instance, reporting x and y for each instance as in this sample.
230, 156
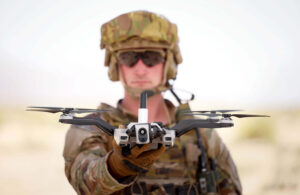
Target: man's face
141, 76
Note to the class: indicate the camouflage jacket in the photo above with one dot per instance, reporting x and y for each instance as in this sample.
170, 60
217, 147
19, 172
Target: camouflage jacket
87, 149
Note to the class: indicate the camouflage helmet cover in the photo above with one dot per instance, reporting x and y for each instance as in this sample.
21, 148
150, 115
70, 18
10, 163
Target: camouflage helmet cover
140, 29
139, 24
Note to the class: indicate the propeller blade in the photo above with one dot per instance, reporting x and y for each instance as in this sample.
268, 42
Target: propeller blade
246, 115
44, 110
88, 110
45, 107
63, 110
212, 111
49, 109
204, 114
200, 111
224, 111
227, 115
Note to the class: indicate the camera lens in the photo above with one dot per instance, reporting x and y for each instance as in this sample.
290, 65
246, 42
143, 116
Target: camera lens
142, 131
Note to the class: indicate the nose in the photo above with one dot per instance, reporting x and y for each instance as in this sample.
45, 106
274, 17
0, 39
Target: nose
140, 68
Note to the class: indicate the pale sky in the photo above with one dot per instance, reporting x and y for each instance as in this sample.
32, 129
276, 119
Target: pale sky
240, 54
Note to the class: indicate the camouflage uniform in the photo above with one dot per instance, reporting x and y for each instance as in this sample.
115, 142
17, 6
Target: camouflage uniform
87, 149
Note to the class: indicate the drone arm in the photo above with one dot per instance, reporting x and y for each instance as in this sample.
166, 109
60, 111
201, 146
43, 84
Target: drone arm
103, 125
186, 125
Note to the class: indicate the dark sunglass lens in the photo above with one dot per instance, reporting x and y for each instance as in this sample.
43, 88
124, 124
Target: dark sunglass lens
151, 58
128, 58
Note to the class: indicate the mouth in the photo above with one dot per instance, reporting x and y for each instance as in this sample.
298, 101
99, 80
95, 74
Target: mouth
140, 82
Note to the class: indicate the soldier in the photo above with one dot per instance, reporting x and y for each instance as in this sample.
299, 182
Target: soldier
142, 52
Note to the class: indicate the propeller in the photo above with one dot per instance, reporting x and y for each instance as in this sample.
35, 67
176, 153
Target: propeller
243, 115
228, 115
211, 111
63, 110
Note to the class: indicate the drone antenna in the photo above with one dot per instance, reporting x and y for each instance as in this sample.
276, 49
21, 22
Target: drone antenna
143, 111
143, 100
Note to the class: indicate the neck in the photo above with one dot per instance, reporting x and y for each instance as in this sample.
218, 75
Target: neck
155, 105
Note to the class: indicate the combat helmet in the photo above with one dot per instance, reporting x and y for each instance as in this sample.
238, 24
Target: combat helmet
141, 30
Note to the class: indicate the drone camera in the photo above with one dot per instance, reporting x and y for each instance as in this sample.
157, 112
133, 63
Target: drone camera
142, 133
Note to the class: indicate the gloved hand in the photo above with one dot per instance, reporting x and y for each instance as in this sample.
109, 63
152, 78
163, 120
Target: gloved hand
138, 161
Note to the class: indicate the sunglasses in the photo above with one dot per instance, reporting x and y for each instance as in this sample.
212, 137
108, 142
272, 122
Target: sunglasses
150, 58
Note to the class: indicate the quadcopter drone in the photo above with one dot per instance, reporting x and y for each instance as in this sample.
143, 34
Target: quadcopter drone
144, 132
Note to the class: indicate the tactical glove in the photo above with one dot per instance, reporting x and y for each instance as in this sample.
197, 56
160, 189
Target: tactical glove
138, 161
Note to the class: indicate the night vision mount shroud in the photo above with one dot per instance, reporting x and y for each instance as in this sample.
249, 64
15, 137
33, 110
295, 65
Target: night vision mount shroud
144, 132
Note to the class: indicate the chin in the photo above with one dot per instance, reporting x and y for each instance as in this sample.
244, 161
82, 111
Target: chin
142, 86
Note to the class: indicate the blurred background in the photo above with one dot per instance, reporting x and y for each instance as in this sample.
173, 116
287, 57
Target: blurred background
237, 55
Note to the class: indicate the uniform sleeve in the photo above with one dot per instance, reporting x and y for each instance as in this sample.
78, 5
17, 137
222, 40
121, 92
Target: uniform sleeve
86, 155
228, 178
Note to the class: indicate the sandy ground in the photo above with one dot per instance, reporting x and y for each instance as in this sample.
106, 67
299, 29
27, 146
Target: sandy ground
31, 161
